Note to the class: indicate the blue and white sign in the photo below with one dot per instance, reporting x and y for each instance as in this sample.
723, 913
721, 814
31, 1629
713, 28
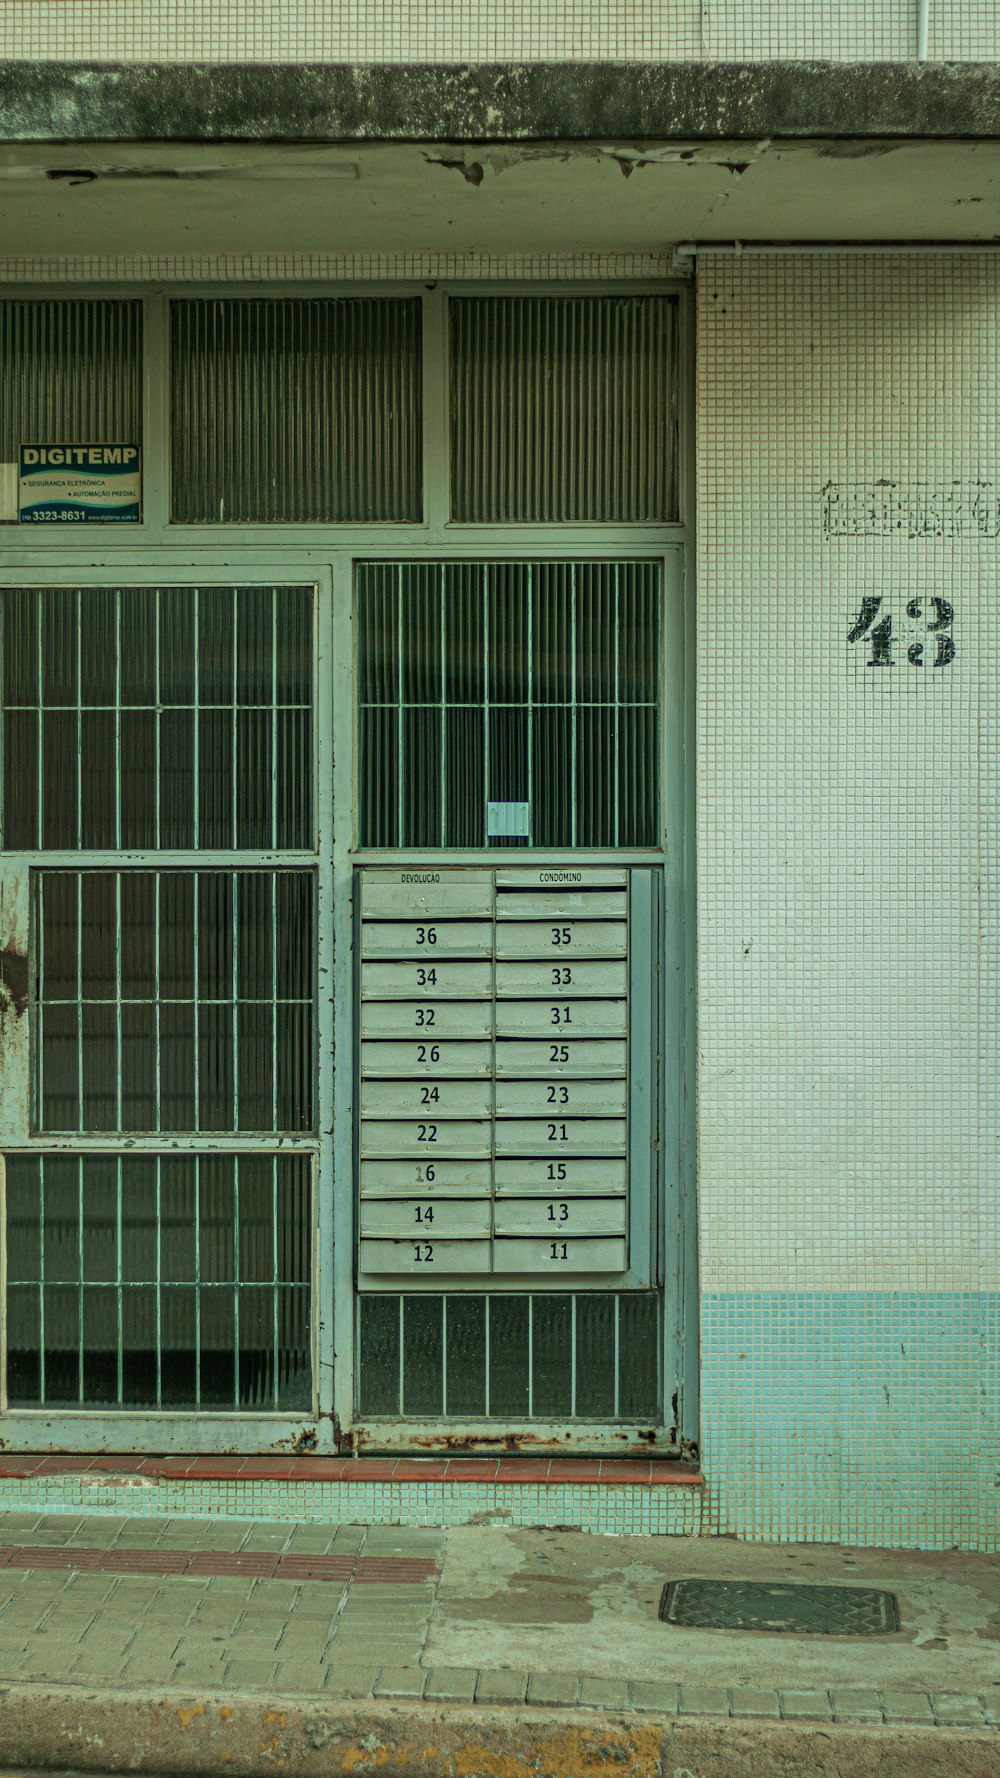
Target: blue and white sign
77, 483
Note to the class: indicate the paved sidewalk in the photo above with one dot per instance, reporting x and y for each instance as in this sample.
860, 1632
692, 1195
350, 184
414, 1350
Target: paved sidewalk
480, 1615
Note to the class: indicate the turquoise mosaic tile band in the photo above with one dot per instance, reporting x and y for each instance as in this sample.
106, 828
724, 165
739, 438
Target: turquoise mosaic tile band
617, 1510
853, 1416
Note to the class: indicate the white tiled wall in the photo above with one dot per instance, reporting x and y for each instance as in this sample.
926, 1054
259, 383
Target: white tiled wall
848, 936
481, 30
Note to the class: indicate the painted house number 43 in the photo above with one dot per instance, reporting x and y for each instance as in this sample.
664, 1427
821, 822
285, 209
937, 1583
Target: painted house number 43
923, 639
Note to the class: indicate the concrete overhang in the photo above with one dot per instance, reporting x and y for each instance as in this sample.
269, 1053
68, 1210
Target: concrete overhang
505, 102
569, 158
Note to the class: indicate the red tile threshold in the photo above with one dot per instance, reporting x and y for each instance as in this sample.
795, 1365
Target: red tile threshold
255, 1564
634, 1471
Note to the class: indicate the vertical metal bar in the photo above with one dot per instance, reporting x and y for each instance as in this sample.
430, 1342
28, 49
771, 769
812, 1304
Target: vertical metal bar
156, 413
118, 717
444, 1355
235, 1164
119, 1290
531, 1356
234, 817
3, 741
157, 720
275, 1288
80, 1335
196, 747
237, 880
274, 719
159, 1281
402, 1337
486, 704
531, 701
4, 1298
618, 1305
196, 1009
400, 829
42, 1379
572, 694
40, 669
39, 946
119, 1059
79, 720
443, 716
79, 999
436, 394
486, 1349
572, 1355
197, 1281
157, 1013
616, 797
333, 1240
273, 889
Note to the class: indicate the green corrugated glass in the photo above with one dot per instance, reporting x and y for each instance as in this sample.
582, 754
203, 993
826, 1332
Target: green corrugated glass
564, 408
299, 410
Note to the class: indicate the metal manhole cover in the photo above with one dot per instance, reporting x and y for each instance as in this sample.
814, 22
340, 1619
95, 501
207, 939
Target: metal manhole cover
774, 1605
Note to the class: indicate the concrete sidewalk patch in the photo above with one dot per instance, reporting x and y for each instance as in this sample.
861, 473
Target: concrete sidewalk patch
187, 1735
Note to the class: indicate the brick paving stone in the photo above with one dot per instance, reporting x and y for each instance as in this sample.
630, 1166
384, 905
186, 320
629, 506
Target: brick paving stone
316, 1605
147, 1670
304, 1677
95, 1664
704, 1700
655, 1694
205, 1672
805, 1706
501, 1685
401, 1682
856, 1705
752, 1700
451, 1685
258, 1675
905, 1706
956, 1710
604, 1694
552, 1688
311, 1540
351, 1679
304, 1639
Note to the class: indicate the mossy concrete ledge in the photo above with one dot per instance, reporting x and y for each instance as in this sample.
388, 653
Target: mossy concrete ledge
56, 1729
66, 101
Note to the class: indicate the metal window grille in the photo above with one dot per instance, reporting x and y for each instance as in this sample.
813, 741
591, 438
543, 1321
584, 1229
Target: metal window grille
300, 410
174, 1000
71, 373
158, 1281
524, 682
508, 1357
564, 409
145, 717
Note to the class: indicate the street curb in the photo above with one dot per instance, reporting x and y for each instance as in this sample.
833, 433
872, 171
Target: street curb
190, 1734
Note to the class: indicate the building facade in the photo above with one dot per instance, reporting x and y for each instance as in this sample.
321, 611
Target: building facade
499, 850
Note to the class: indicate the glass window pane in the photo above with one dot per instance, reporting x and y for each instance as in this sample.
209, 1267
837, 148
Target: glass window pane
564, 408
158, 1281
509, 682
168, 717
298, 410
71, 373
176, 1000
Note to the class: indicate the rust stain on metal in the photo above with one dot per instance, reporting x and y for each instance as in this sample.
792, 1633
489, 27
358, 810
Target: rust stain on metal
14, 978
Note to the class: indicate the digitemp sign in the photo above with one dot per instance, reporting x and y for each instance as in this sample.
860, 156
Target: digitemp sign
77, 483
